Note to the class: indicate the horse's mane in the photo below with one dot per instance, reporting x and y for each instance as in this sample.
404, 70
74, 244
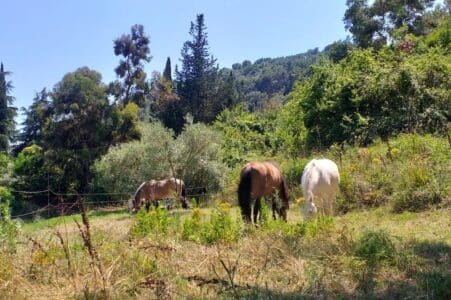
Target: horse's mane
136, 193
273, 163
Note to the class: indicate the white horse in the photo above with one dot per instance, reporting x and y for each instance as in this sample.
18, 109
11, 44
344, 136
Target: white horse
320, 178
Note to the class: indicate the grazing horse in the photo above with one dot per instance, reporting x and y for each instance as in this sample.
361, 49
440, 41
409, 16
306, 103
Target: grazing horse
154, 190
320, 178
259, 179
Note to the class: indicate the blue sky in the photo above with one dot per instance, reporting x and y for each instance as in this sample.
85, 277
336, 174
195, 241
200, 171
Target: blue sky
40, 41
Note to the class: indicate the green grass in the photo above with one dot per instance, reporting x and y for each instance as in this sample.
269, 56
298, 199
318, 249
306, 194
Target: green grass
30, 226
325, 258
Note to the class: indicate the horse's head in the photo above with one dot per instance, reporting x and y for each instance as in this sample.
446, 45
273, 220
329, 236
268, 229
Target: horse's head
182, 197
184, 202
137, 199
310, 210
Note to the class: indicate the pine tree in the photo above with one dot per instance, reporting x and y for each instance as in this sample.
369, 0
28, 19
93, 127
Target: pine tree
197, 81
35, 118
134, 48
7, 113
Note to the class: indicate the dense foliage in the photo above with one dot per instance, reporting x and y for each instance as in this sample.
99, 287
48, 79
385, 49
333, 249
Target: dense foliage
247, 136
370, 95
374, 23
270, 78
193, 156
64, 132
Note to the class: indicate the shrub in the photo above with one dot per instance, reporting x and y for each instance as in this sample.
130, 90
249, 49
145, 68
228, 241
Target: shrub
8, 228
318, 225
371, 250
193, 157
126, 166
417, 190
221, 227
156, 221
408, 172
197, 157
192, 227
247, 135
369, 95
374, 247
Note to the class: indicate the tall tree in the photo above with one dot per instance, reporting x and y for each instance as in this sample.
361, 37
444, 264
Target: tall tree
134, 50
167, 73
82, 126
7, 113
35, 118
165, 103
197, 80
373, 25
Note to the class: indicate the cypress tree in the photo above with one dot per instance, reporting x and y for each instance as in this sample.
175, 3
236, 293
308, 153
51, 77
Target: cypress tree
167, 73
6, 113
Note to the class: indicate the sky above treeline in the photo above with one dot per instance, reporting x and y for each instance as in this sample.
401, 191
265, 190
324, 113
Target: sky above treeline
40, 41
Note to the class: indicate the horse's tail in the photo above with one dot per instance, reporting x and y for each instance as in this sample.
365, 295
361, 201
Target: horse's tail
183, 190
284, 194
244, 193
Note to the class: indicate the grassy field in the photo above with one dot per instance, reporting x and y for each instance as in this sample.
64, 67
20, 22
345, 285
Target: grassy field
407, 257
391, 239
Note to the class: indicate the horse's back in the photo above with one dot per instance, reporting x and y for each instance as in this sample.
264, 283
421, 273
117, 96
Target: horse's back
265, 177
320, 175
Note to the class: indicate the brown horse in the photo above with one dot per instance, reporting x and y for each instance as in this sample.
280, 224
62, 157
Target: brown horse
259, 179
154, 190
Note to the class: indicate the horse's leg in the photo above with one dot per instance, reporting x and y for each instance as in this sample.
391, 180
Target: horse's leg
330, 203
147, 205
257, 207
323, 205
273, 207
246, 211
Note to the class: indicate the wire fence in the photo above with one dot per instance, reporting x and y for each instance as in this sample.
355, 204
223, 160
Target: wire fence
62, 207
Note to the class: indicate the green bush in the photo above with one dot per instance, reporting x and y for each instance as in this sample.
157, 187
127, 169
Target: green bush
369, 95
247, 136
156, 222
127, 165
193, 157
417, 190
221, 227
192, 227
197, 157
374, 248
8, 228
407, 172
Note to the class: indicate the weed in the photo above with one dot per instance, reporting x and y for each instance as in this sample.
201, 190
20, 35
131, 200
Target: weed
155, 221
371, 250
221, 227
192, 227
9, 229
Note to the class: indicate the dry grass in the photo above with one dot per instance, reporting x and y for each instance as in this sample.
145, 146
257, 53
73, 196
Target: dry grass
262, 264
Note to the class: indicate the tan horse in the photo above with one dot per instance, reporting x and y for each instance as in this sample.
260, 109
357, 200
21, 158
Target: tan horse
260, 179
154, 190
